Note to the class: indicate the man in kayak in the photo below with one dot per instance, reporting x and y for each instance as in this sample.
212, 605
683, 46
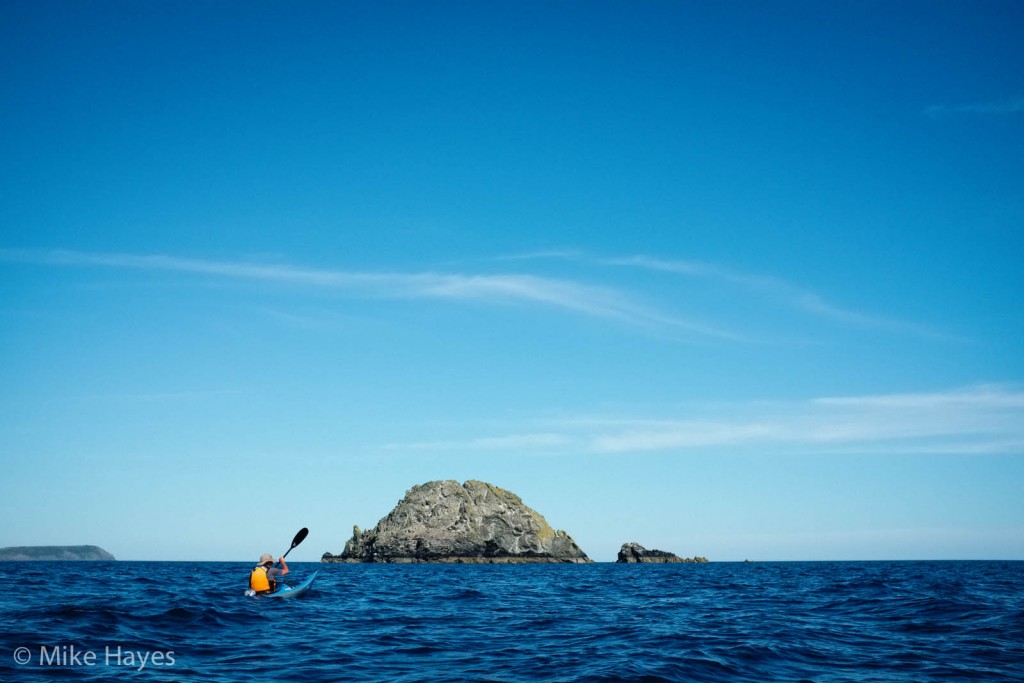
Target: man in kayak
264, 575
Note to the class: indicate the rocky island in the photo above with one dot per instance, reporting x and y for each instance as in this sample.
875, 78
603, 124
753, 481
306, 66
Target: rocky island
39, 553
475, 522
634, 552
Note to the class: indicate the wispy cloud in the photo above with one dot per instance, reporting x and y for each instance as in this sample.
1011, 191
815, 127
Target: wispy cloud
987, 396
571, 295
1014, 105
508, 288
764, 286
984, 419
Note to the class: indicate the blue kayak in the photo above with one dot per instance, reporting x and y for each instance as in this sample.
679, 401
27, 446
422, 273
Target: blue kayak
297, 591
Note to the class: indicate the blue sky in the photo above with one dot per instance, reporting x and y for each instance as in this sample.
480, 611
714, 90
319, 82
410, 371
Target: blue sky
732, 279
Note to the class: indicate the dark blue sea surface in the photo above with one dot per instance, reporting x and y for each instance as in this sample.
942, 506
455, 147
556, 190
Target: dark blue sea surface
819, 621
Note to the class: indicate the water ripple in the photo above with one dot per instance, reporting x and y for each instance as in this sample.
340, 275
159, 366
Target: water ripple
718, 622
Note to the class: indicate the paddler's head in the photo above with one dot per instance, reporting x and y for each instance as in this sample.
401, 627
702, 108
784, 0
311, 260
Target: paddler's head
265, 559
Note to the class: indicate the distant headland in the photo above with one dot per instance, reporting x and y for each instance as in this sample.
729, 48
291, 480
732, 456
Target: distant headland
471, 523
54, 553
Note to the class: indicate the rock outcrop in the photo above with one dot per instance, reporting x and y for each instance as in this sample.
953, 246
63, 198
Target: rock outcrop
39, 553
475, 522
634, 552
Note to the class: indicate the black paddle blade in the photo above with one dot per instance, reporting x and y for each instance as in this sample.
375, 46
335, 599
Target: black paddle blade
303, 532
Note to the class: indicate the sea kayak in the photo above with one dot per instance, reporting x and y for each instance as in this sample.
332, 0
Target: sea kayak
296, 591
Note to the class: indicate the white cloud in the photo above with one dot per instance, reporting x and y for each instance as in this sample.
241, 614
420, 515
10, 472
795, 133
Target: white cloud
986, 419
973, 419
981, 395
586, 299
632, 308
764, 286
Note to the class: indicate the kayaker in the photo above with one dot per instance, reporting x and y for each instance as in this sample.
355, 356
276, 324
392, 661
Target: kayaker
264, 575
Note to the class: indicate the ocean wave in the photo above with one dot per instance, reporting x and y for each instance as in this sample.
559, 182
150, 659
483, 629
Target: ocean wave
723, 622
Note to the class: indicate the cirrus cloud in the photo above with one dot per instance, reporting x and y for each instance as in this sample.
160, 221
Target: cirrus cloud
981, 419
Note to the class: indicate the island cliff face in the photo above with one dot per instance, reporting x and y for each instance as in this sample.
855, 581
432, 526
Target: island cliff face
634, 552
39, 553
475, 522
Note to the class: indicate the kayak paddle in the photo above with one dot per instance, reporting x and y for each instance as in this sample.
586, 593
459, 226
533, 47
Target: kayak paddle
299, 538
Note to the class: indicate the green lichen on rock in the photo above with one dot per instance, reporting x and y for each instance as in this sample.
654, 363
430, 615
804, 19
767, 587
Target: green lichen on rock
475, 522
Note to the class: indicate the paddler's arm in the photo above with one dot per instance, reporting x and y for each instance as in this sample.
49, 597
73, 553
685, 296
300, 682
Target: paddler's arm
284, 565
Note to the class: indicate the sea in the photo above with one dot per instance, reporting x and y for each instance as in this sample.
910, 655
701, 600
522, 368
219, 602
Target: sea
759, 621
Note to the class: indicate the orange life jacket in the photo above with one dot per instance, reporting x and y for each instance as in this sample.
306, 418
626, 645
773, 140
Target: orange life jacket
260, 582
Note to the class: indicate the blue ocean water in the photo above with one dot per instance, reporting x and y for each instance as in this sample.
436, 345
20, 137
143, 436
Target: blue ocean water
872, 621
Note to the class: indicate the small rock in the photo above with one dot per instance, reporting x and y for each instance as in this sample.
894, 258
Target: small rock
634, 552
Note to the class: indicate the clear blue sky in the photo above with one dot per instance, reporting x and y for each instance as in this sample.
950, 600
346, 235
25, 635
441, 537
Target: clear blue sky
732, 279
